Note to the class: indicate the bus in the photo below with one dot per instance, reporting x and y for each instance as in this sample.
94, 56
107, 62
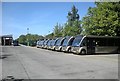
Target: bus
45, 43
95, 44
37, 44
66, 46
49, 44
58, 45
40, 43
53, 43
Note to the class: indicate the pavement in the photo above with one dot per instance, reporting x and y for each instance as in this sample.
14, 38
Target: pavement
24, 62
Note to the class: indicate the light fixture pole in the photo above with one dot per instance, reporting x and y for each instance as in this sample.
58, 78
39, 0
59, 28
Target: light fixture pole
27, 36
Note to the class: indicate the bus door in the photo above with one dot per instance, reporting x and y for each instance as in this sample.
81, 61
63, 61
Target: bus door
90, 45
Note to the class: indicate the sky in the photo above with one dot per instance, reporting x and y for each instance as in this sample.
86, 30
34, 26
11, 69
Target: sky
39, 17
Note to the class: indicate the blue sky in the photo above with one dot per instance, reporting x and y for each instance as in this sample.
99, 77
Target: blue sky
39, 17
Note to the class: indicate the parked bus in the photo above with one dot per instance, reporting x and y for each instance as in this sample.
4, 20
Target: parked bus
53, 43
41, 43
37, 44
95, 44
66, 46
58, 45
45, 44
49, 44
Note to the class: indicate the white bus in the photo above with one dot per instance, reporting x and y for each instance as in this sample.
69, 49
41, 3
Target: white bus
66, 46
95, 44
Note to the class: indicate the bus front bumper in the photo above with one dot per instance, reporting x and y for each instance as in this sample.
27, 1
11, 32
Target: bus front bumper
75, 50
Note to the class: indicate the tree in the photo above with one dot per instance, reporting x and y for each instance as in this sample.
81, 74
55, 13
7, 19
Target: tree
22, 38
57, 30
73, 25
31, 38
72, 15
50, 36
72, 30
102, 19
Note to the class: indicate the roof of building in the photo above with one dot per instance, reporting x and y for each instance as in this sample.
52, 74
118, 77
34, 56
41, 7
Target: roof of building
9, 36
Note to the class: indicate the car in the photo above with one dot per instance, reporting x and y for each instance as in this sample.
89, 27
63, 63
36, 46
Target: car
66, 46
15, 43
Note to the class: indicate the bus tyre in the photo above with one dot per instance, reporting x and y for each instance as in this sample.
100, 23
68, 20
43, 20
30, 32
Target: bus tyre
83, 52
60, 49
54, 49
118, 51
69, 50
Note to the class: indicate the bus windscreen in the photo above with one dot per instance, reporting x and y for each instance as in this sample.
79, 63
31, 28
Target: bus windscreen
58, 42
65, 42
76, 41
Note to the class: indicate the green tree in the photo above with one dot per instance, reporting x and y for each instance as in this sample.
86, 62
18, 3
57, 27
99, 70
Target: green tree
72, 15
31, 38
58, 30
72, 30
22, 39
50, 36
102, 19
73, 25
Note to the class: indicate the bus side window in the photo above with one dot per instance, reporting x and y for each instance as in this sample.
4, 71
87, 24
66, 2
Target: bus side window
83, 43
97, 43
94, 43
70, 43
101, 42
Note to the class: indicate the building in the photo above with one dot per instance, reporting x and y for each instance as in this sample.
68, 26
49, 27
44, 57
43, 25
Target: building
6, 40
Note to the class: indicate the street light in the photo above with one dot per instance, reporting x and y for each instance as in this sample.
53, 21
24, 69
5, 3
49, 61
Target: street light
27, 37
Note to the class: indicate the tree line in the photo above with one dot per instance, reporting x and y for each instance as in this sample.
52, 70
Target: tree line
101, 20
31, 38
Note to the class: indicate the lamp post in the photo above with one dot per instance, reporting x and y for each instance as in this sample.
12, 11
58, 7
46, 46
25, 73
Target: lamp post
27, 37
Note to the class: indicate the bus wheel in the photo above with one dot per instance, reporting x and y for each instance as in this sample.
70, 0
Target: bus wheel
54, 49
118, 51
60, 49
69, 50
83, 52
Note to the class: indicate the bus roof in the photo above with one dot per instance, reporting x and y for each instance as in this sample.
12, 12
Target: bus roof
93, 36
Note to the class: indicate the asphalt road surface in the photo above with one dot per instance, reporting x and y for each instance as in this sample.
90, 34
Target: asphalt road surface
35, 63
